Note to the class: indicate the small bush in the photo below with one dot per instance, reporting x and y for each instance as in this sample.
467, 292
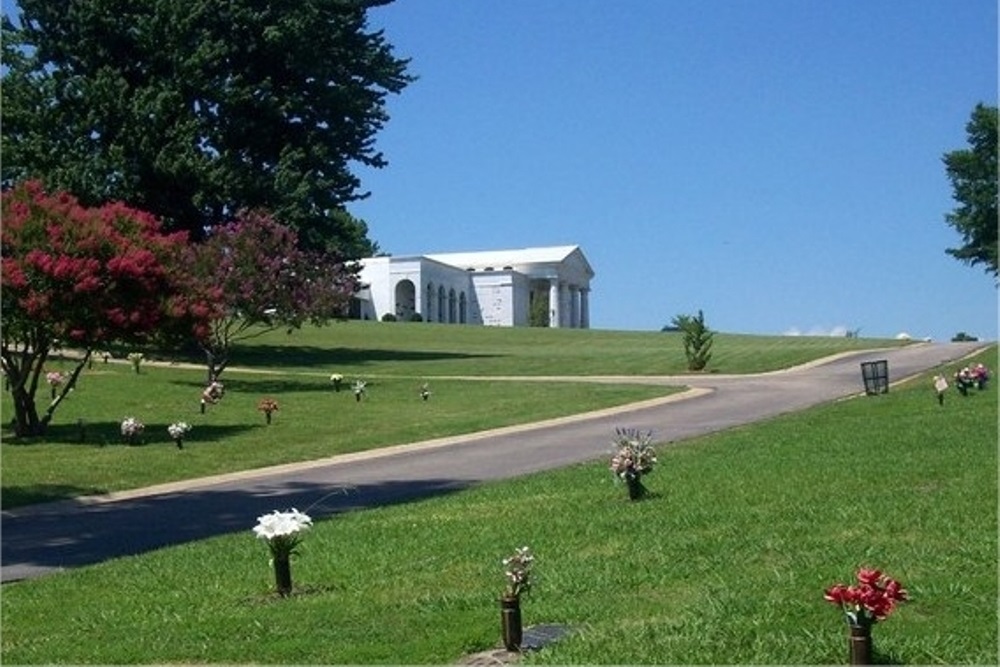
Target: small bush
388, 317
416, 317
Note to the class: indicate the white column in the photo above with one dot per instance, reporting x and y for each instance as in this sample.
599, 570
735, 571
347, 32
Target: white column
585, 308
554, 310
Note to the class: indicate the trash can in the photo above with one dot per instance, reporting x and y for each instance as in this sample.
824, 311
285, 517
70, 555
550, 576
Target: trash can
876, 376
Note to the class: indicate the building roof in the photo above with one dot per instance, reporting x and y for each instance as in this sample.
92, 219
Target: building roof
501, 258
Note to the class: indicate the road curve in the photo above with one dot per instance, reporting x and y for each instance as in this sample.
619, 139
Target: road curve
43, 539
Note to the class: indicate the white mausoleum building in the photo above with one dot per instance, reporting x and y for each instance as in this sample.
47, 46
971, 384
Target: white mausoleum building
494, 288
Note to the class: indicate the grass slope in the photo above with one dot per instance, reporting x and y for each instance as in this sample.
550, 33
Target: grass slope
725, 563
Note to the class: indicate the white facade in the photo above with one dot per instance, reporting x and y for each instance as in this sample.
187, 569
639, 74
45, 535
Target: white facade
493, 288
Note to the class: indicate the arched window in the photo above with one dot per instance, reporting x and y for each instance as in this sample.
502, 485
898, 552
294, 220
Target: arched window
406, 299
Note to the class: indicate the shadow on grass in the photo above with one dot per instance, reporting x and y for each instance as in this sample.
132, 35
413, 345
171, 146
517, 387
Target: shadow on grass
108, 434
16, 496
265, 356
46, 537
274, 385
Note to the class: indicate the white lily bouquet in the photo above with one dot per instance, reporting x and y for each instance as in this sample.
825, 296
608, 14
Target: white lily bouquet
283, 533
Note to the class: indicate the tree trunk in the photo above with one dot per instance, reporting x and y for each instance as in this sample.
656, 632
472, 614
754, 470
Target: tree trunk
215, 363
26, 422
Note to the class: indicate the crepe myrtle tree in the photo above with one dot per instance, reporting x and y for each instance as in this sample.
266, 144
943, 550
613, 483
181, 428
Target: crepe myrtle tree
82, 277
258, 279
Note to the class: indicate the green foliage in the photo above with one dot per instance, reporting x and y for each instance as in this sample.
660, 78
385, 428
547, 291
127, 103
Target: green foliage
389, 317
538, 315
86, 276
195, 110
693, 575
973, 175
962, 337
697, 340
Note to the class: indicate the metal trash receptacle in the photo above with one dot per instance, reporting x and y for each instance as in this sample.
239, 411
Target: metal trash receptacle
876, 376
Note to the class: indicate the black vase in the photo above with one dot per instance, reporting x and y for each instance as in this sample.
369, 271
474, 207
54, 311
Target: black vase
283, 575
510, 623
636, 490
860, 644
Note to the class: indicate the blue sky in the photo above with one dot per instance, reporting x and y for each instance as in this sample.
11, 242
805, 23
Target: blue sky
774, 163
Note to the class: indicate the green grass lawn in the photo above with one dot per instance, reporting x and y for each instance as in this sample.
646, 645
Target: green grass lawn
426, 349
725, 562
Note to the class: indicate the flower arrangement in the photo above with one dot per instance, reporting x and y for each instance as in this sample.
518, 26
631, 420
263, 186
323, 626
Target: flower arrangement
336, 380
359, 389
634, 457
177, 431
283, 533
135, 358
267, 406
517, 569
55, 380
213, 393
940, 386
425, 391
872, 599
132, 429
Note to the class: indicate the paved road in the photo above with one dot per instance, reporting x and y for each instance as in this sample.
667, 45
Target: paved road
43, 539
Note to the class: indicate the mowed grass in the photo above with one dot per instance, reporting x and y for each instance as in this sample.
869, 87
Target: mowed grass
81, 453
422, 348
725, 563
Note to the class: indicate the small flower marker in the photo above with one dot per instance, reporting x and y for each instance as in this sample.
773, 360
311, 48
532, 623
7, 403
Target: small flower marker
634, 457
337, 381
267, 406
132, 430
177, 431
359, 390
136, 358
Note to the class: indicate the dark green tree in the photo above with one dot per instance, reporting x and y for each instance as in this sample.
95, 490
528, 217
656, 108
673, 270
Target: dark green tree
697, 340
195, 110
973, 175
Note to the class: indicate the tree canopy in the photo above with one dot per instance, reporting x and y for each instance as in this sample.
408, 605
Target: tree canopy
195, 110
256, 279
973, 175
82, 277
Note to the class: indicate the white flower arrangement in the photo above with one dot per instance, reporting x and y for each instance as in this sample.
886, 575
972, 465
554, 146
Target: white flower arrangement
634, 455
517, 569
132, 427
136, 359
177, 431
282, 530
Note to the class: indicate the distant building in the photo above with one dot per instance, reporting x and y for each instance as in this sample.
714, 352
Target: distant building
493, 288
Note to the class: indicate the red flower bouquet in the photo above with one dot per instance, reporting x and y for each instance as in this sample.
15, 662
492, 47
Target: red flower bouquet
872, 599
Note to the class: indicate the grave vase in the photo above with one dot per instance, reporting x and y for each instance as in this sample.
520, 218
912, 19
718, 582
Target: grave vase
860, 644
510, 622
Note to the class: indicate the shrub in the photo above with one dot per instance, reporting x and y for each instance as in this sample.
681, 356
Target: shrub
697, 340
